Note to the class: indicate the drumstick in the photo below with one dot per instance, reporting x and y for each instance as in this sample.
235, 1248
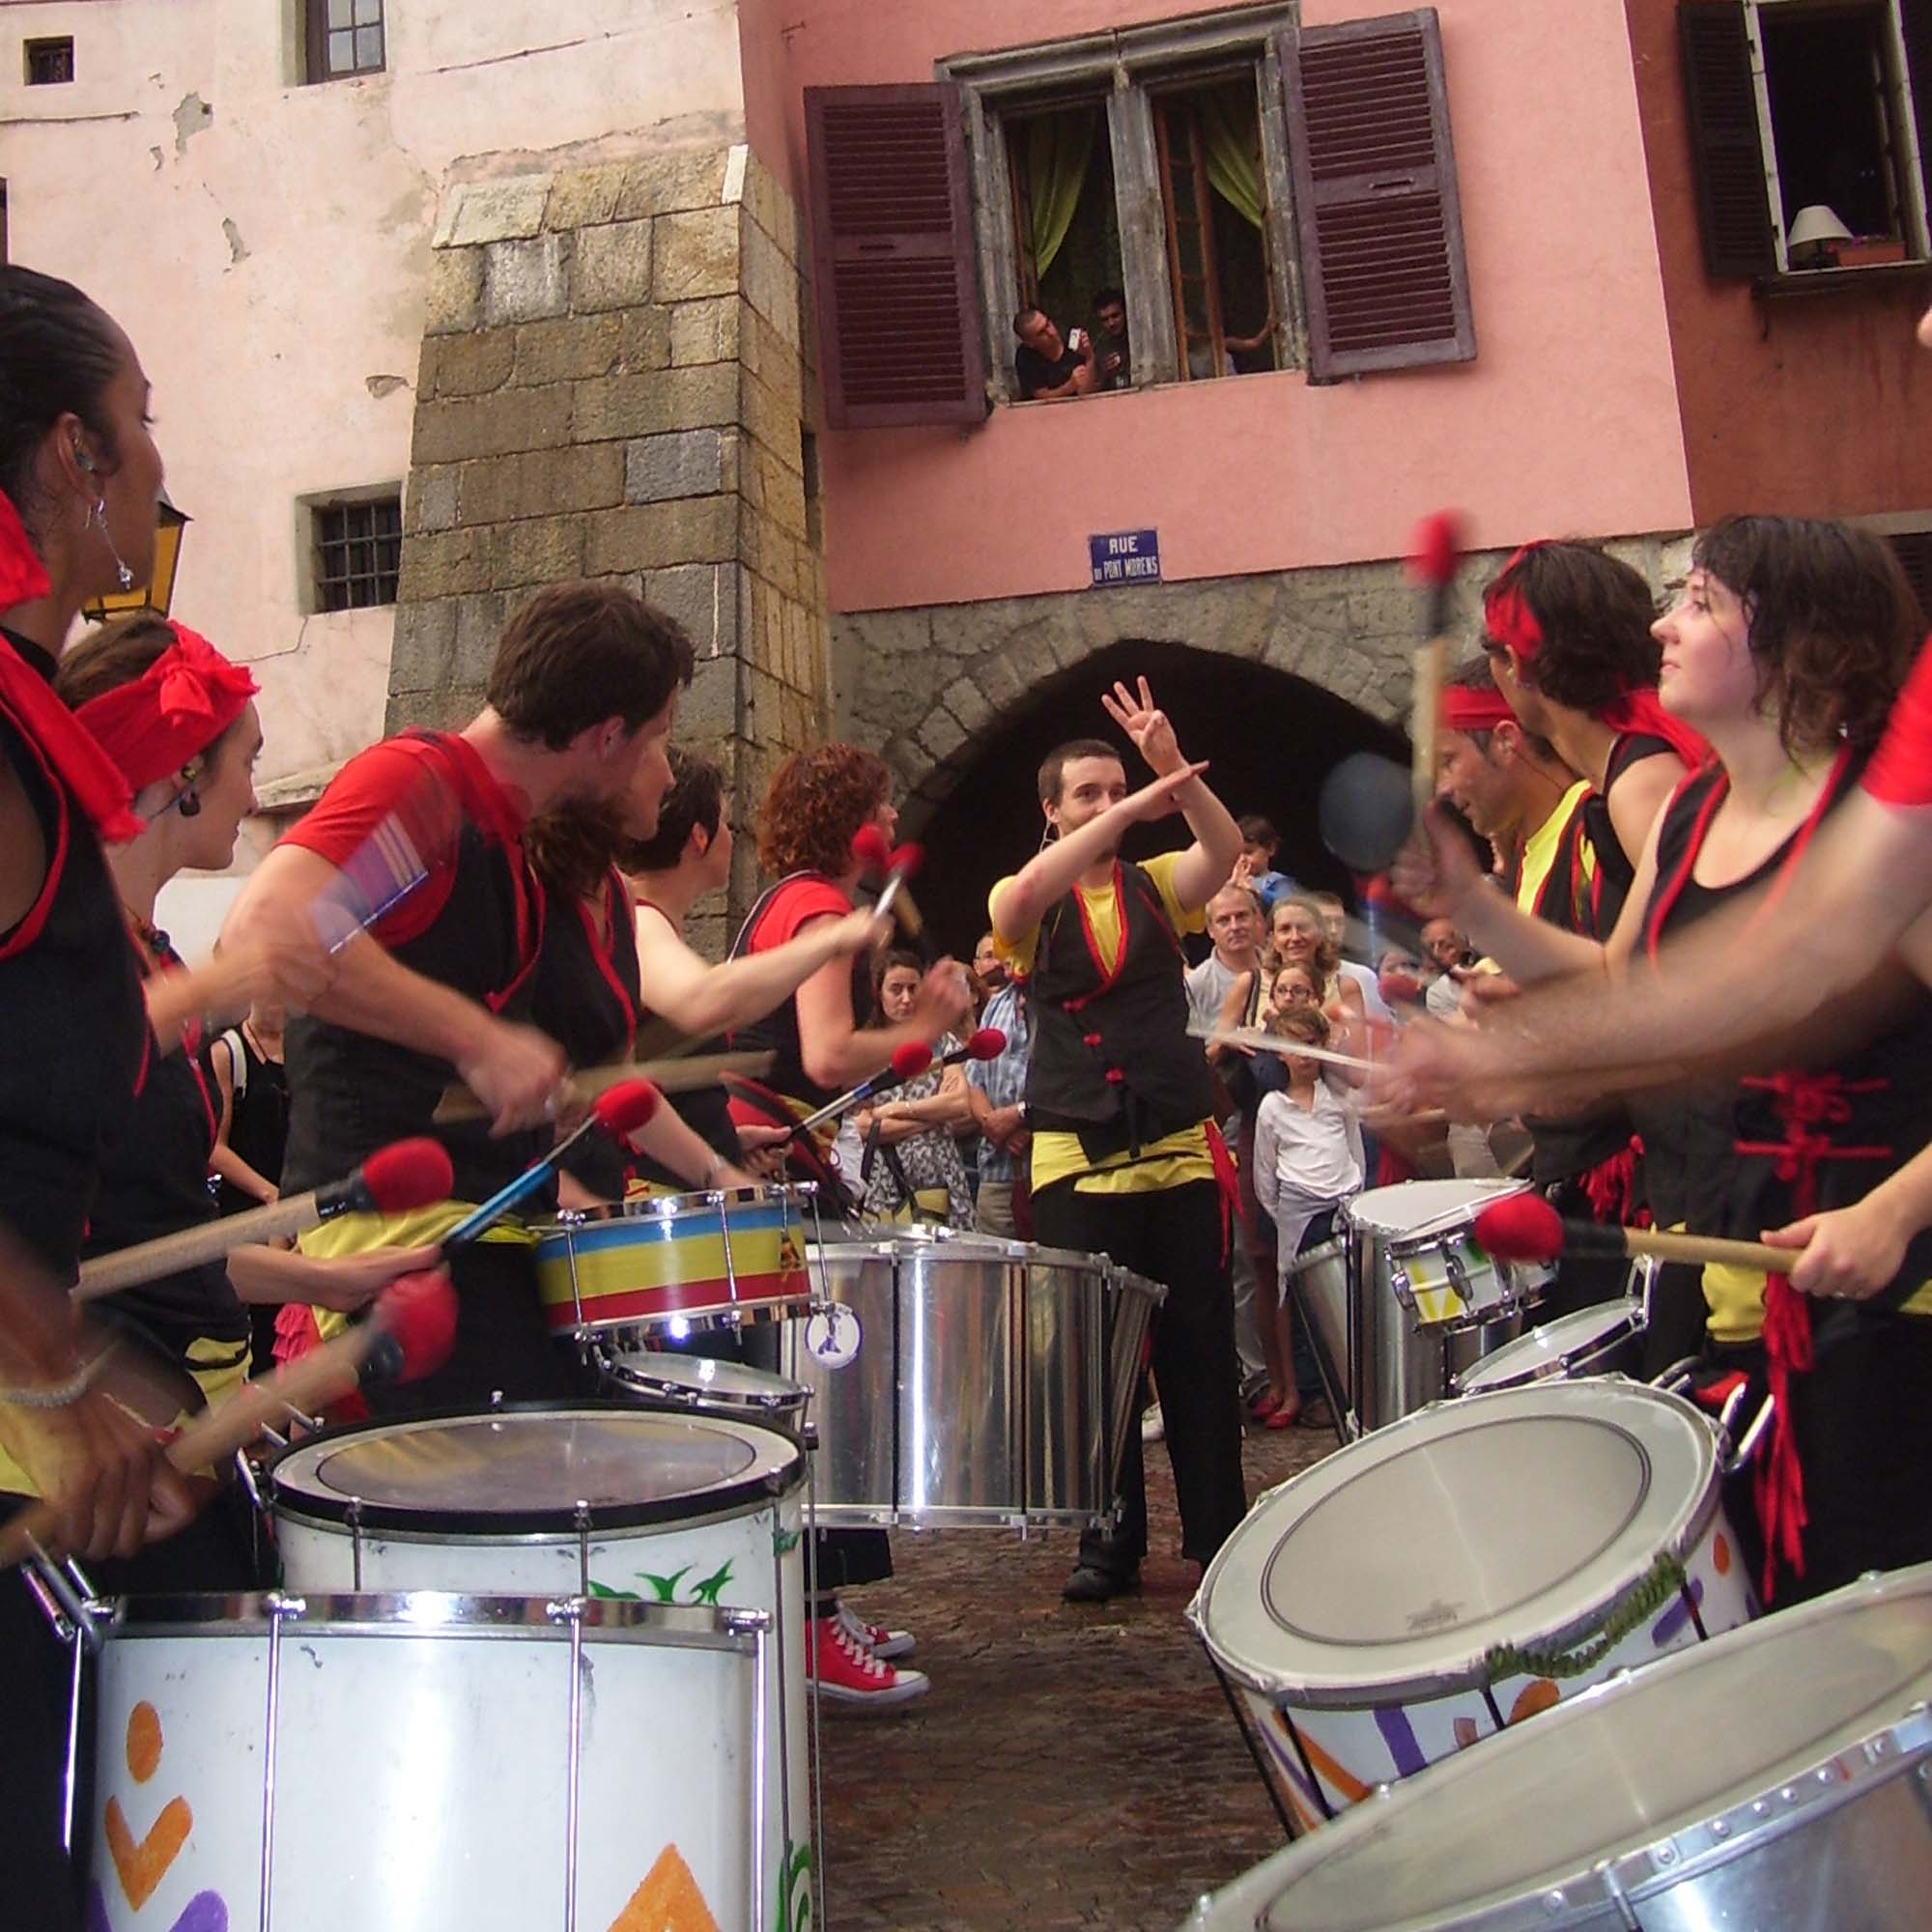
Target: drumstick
408, 1334
618, 1110
1526, 1227
394, 1180
908, 1062
1263, 1041
898, 865
676, 1075
1433, 565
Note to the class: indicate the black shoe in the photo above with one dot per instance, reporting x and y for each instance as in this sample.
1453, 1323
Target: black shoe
1090, 1584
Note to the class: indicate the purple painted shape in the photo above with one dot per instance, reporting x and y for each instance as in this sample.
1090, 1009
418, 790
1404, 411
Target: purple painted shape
1282, 1750
1397, 1734
205, 1912
1670, 1625
98, 1920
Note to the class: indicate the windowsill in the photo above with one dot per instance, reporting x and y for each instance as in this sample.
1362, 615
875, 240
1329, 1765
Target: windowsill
1148, 389
1840, 281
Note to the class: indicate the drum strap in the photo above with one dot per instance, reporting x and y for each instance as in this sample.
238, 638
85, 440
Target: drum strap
1664, 1581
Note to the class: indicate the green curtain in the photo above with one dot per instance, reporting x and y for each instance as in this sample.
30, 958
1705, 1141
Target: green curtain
1059, 148
1231, 134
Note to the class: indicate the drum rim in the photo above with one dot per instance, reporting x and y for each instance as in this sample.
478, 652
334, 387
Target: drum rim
1487, 1192
924, 1243
736, 1496
783, 1393
1461, 1667
1626, 1324
572, 1225
1645, 1860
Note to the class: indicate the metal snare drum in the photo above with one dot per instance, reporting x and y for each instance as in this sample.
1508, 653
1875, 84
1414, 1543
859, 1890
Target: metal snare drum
320, 1762
1461, 1570
1777, 1777
1604, 1340
674, 1264
960, 1379
604, 1500
698, 1386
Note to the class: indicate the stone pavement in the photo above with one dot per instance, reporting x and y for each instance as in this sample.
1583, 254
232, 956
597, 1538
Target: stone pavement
1073, 1767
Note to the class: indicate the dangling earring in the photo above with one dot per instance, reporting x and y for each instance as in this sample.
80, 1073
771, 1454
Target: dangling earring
122, 576
189, 803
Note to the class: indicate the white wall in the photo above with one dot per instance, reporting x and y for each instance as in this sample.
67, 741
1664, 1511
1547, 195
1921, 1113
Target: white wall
266, 244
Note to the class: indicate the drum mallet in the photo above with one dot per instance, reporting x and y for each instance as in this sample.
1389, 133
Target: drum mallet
1432, 565
988, 1043
618, 1110
897, 865
908, 1062
394, 1180
409, 1334
1526, 1227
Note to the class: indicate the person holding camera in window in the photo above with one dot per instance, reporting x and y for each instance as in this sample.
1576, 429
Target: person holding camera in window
1047, 366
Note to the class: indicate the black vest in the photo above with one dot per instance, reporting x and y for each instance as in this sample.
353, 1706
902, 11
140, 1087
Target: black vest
74, 1028
1111, 1058
351, 1094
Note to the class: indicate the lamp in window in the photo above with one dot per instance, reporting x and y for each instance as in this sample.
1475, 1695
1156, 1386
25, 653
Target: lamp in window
1813, 238
158, 592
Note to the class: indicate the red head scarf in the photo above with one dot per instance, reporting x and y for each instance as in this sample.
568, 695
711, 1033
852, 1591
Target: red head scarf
70, 753
1467, 710
174, 711
1513, 624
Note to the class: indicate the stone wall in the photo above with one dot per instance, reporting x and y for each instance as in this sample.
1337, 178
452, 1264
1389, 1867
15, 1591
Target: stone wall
927, 685
614, 384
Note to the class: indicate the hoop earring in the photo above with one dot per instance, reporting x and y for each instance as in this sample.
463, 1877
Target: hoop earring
122, 576
189, 803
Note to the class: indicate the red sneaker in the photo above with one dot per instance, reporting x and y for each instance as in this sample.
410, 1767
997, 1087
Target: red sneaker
846, 1671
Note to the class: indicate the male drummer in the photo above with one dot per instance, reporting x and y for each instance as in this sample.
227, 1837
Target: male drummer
1125, 1159
580, 695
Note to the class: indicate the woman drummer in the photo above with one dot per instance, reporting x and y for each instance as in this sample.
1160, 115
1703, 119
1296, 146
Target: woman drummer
1784, 650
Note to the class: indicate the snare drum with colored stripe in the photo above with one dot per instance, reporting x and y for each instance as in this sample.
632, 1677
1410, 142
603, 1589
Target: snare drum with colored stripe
676, 1263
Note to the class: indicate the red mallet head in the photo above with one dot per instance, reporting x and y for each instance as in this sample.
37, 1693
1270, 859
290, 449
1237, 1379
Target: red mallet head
626, 1107
988, 1043
911, 1060
404, 1175
907, 859
1433, 551
870, 850
1519, 1228
415, 1319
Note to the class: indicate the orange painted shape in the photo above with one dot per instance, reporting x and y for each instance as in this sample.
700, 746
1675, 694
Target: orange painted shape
668, 1901
142, 1867
144, 1742
1721, 1554
1538, 1695
1344, 1782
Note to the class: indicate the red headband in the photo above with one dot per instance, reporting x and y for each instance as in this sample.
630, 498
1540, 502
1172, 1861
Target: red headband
22, 576
175, 710
1467, 710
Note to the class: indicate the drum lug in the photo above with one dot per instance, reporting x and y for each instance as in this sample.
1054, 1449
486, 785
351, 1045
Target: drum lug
1613, 1888
1400, 1287
1734, 1460
67, 1598
354, 1519
581, 1523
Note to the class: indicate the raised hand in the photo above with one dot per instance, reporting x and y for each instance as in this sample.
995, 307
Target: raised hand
1145, 723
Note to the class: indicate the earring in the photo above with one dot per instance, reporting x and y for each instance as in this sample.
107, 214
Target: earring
189, 803
122, 576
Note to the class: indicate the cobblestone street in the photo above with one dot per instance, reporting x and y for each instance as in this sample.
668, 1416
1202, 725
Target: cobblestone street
1074, 1766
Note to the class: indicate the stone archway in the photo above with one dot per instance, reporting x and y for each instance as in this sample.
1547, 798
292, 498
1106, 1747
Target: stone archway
1271, 738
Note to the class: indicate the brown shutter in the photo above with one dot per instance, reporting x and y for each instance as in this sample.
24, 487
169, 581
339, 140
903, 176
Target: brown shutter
892, 254
1726, 146
1914, 20
1914, 551
1376, 206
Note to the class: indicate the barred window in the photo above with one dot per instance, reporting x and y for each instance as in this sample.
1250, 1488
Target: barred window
49, 63
346, 37
359, 550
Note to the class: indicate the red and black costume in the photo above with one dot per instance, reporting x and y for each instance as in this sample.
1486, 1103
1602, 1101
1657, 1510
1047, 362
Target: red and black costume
1855, 1452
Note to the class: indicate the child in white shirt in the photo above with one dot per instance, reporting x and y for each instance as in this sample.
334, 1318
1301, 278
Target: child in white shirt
1308, 1146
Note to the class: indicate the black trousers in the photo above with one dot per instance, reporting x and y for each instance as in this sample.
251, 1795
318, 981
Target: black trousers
1172, 1237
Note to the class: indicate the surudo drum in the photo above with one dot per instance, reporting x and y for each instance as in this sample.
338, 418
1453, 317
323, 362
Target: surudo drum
960, 1379
1604, 1340
1777, 1777
314, 1763
698, 1386
675, 1263
600, 1500
1460, 1571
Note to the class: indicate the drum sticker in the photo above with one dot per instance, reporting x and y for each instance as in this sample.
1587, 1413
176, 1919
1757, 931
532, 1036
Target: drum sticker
664, 1589
141, 1864
668, 1901
833, 1335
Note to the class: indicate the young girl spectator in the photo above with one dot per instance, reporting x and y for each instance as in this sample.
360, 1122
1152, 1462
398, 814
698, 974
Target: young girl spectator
908, 1137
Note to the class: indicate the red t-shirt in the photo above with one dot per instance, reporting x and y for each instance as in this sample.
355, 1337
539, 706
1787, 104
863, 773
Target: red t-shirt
394, 813
793, 906
1900, 772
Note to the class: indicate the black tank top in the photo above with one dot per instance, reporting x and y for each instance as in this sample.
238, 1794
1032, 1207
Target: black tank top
74, 1028
258, 1121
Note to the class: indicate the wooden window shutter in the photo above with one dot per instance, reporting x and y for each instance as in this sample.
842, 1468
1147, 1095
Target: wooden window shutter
1377, 213
1726, 143
900, 339
1914, 551
1914, 20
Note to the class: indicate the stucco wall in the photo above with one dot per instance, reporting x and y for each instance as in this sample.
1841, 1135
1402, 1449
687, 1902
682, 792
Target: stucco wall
1805, 407
266, 246
1567, 420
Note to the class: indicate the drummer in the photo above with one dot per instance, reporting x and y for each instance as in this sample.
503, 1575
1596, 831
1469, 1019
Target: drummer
1127, 1161
583, 689
1784, 650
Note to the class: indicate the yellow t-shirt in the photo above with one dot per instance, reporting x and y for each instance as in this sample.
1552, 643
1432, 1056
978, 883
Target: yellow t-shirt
363, 1234
1539, 852
1172, 1162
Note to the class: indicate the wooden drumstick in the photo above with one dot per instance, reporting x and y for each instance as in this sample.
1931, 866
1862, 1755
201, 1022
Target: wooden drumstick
677, 1075
1526, 1227
1433, 565
408, 1334
1262, 1040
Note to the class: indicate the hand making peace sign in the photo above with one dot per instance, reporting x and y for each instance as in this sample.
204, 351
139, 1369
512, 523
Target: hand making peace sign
1147, 727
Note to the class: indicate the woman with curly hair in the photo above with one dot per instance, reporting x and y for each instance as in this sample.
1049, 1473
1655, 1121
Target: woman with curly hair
1786, 650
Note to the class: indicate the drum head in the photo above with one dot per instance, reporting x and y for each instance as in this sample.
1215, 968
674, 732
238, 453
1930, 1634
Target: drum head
1600, 1777
1546, 1349
930, 1245
523, 1471
1391, 1569
703, 1378
1394, 1211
